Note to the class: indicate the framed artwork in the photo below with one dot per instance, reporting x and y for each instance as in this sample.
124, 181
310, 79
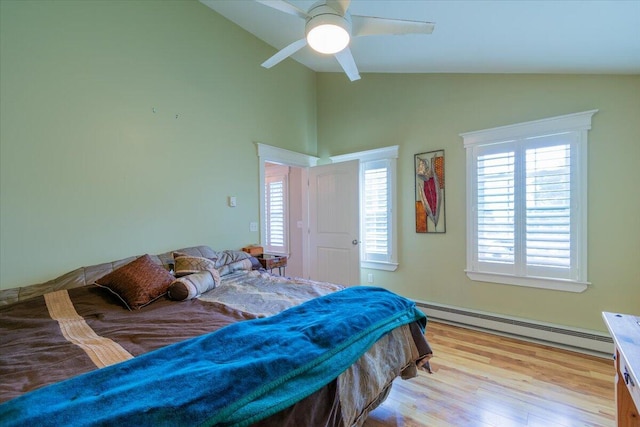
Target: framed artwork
429, 203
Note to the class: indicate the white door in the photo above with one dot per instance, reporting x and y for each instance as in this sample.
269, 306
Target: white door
334, 218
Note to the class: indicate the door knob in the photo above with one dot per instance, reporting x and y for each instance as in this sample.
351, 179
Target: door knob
354, 242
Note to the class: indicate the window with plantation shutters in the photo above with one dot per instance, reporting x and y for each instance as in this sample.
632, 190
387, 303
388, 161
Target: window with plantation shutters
375, 211
276, 209
378, 242
526, 203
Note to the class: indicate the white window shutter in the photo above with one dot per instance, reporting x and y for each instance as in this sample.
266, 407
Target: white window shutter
276, 210
548, 207
526, 186
496, 207
376, 212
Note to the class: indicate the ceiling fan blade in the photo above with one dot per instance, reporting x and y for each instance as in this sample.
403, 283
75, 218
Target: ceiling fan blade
339, 6
345, 58
285, 53
369, 26
285, 7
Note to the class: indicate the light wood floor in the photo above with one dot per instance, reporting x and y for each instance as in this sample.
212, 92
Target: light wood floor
484, 380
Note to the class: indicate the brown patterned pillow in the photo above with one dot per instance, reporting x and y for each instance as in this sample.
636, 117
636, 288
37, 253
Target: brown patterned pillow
187, 264
138, 283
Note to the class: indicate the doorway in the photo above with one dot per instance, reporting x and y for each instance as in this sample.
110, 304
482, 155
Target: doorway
334, 199
283, 221
298, 164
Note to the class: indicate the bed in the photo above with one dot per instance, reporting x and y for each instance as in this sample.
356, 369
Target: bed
200, 337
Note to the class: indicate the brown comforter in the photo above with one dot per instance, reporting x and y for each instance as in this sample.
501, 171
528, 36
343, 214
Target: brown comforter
68, 332
94, 331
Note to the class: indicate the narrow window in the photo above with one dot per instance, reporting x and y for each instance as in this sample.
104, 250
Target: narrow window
276, 209
378, 248
375, 211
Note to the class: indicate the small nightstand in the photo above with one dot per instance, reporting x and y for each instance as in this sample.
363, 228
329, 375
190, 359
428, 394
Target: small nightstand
269, 262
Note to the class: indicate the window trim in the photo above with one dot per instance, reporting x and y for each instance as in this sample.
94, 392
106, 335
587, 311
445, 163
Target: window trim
576, 123
386, 153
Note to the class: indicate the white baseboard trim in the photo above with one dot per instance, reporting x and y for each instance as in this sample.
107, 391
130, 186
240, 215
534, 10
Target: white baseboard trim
581, 340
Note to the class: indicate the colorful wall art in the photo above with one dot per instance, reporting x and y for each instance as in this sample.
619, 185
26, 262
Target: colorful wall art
429, 203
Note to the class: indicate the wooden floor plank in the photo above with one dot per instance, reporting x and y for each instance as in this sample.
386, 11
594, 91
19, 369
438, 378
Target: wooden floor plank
485, 380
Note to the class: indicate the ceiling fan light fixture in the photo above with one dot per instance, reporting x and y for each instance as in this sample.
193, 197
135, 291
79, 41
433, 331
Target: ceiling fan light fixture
328, 33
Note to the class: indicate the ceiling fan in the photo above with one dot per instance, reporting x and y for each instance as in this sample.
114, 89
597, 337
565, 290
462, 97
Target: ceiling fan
330, 27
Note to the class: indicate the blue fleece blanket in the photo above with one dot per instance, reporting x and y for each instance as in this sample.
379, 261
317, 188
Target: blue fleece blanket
235, 376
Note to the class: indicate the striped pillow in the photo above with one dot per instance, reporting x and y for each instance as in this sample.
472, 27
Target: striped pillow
193, 285
187, 264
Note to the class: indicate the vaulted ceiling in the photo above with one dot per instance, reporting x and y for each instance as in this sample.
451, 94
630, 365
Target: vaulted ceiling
471, 36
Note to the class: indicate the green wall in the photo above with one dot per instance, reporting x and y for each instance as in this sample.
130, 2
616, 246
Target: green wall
428, 112
89, 173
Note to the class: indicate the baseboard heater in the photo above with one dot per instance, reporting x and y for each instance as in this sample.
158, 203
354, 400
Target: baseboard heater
584, 341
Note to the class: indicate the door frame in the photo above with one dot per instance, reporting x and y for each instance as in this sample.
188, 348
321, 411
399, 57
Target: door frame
271, 154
